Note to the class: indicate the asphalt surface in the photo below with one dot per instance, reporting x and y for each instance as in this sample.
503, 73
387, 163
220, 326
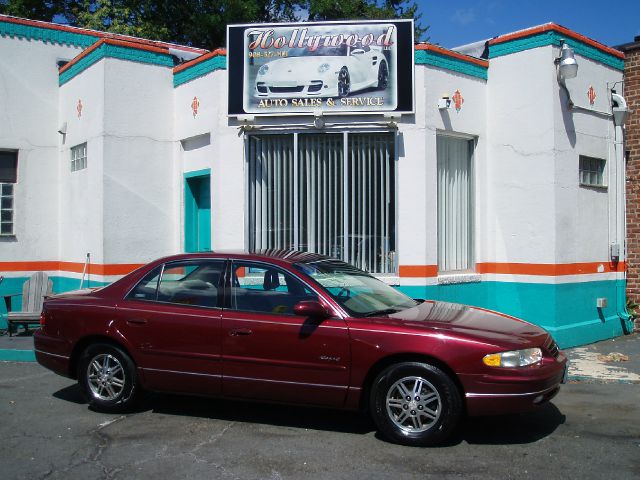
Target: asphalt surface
590, 430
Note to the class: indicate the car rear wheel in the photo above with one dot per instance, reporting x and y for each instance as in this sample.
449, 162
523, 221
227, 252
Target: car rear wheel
344, 82
383, 76
415, 404
108, 378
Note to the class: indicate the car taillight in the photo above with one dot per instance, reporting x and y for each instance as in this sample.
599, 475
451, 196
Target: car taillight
43, 318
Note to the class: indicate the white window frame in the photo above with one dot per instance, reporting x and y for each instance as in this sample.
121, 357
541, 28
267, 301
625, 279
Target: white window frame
78, 155
5, 187
469, 263
585, 175
393, 219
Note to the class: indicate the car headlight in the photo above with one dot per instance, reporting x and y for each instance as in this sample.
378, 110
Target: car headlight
323, 68
514, 358
263, 69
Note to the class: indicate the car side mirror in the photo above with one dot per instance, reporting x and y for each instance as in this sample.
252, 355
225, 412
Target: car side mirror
310, 308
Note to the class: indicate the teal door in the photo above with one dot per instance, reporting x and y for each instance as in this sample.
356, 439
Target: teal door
197, 217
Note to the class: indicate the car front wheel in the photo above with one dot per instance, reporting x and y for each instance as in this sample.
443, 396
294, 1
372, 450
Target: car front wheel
415, 404
107, 375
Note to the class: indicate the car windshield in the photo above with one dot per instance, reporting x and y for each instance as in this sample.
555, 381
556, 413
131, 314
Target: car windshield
360, 293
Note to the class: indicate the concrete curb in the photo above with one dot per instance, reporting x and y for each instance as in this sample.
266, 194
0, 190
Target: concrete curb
588, 379
10, 355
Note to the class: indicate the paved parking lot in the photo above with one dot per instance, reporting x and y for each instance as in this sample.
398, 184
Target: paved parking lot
47, 431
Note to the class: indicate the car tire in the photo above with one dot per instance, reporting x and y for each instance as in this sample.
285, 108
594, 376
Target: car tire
107, 376
344, 83
415, 404
383, 76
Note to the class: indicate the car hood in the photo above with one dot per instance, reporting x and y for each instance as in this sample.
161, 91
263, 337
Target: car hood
299, 65
458, 320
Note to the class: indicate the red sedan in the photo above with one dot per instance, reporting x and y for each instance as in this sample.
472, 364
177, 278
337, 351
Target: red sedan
296, 328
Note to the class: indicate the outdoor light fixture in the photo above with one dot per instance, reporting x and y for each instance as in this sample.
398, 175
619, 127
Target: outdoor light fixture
63, 129
318, 121
567, 64
567, 67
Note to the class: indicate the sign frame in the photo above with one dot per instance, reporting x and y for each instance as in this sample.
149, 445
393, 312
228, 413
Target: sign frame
398, 47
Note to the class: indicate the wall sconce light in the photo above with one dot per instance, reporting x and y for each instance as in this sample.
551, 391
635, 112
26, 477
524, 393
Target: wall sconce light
318, 121
444, 103
566, 67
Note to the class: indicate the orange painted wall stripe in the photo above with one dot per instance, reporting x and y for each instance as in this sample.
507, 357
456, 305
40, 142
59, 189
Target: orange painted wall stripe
195, 61
543, 269
109, 41
406, 271
73, 267
560, 29
549, 269
451, 53
418, 271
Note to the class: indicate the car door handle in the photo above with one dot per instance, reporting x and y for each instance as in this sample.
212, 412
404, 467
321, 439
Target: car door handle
136, 321
240, 331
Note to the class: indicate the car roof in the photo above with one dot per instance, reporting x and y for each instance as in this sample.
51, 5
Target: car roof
284, 256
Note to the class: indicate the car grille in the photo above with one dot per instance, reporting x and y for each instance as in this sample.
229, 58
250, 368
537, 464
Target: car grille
286, 89
552, 348
315, 86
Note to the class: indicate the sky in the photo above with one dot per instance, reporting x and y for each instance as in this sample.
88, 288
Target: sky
454, 23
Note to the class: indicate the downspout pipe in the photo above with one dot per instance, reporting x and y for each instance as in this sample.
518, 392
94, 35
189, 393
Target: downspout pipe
620, 115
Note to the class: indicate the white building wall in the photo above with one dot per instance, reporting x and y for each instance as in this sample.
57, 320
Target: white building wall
80, 193
520, 186
140, 214
29, 123
469, 121
585, 212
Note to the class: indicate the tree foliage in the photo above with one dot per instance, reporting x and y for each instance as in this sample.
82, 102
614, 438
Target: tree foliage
201, 23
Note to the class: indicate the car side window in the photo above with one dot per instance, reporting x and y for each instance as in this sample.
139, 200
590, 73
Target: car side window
147, 288
266, 289
186, 283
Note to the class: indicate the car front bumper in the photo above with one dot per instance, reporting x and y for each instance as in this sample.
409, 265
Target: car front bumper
495, 394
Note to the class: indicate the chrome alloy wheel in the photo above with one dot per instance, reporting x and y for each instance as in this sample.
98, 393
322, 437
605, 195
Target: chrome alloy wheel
105, 377
413, 404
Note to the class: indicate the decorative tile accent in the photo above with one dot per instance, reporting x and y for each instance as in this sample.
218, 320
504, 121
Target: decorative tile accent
437, 59
458, 100
79, 108
194, 106
112, 49
216, 60
591, 94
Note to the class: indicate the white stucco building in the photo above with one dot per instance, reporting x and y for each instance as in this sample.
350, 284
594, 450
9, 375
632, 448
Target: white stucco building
509, 199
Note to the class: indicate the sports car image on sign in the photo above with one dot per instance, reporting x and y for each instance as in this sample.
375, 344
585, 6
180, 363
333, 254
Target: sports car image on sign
323, 72
297, 328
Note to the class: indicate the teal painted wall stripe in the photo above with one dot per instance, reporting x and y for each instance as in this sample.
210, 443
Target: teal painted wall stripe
31, 32
427, 57
13, 285
567, 311
422, 57
199, 69
10, 355
553, 38
115, 51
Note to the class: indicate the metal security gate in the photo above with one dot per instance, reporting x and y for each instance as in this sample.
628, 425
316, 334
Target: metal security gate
304, 195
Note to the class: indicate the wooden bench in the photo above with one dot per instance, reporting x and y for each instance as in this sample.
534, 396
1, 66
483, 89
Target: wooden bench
33, 293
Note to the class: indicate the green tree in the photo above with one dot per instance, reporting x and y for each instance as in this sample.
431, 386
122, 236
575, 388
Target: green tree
201, 23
